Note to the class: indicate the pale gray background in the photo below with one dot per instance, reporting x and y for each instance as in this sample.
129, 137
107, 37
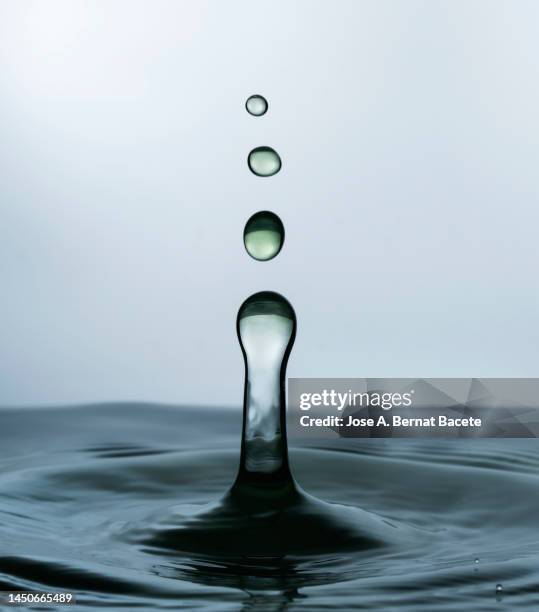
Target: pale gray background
409, 133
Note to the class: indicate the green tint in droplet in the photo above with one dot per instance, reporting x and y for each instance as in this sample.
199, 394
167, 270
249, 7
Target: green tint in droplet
263, 235
256, 105
264, 161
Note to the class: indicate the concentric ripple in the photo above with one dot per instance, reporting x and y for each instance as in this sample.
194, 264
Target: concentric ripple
74, 481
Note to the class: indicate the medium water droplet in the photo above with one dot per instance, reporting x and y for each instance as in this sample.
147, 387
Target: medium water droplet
476, 560
499, 588
264, 161
256, 105
263, 235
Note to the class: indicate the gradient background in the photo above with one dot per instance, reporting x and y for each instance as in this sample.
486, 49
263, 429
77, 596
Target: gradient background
409, 133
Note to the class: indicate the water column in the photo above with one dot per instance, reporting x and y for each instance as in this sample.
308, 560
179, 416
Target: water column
266, 326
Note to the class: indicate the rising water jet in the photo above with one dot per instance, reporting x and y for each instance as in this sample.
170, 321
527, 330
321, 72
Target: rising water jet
266, 514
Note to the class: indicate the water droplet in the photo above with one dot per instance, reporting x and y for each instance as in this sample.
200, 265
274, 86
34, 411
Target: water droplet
263, 235
264, 161
476, 560
256, 105
499, 588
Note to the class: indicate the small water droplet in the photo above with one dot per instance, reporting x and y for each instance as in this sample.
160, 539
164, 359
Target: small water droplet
256, 105
476, 560
264, 161
499, 588
263, 235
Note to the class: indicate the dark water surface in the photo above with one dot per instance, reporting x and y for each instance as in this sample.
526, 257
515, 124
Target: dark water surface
80, 490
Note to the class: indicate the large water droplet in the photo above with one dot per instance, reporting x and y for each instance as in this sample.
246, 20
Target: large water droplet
263, 235
499, 588
264, 161
256, 105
